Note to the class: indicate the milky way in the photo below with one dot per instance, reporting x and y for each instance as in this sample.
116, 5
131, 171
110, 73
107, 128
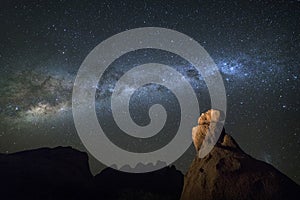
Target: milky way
254, 45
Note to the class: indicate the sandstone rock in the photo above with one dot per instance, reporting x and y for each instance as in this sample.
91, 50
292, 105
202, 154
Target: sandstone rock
229, 173
211, 116
206, 134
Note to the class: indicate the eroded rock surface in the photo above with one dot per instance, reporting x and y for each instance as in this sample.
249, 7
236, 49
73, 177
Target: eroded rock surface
229, 173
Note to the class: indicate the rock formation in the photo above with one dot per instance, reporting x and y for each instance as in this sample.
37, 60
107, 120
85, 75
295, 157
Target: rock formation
229, 173
205, 135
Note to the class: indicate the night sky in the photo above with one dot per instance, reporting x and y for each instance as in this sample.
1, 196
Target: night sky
255, 46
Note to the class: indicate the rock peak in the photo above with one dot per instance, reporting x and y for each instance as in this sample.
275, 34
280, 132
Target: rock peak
209, 131
227, 172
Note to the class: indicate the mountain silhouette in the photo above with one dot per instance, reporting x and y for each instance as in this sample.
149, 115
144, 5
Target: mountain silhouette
63, 173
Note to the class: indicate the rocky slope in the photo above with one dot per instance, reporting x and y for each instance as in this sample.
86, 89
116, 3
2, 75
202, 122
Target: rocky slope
229, 173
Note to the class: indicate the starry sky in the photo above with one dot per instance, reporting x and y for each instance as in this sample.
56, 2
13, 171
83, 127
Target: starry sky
255, 45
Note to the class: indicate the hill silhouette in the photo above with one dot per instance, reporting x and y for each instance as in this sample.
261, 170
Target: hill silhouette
63, 173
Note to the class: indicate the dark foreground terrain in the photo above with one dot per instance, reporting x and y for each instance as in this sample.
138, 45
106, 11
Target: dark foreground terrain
225, 173
63, 173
